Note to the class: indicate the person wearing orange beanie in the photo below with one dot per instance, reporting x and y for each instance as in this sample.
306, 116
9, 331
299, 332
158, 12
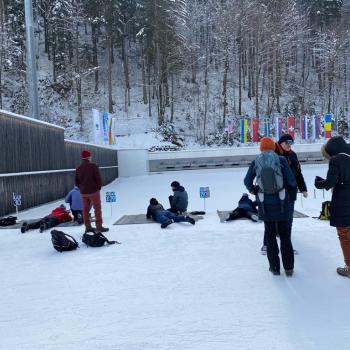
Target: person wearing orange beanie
267, 144
274, 180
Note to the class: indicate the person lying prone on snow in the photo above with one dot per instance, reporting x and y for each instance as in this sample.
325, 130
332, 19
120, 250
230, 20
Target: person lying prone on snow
56, 217
246, 209
164, 217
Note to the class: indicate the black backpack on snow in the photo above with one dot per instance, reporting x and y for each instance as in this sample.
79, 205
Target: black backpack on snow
63, 242
9, 221
95, 239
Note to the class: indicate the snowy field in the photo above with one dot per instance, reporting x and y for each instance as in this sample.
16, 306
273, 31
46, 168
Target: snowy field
202, 287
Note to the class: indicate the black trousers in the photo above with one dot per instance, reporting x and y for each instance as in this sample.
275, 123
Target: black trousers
281, 228
77, 215
240, 213
49, 221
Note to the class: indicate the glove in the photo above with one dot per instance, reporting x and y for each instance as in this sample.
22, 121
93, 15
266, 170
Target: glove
319, 182
254, 190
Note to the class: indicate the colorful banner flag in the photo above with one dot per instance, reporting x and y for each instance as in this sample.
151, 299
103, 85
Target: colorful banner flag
267, 127
105, 118
304, 125
97, 126
291, 125
315, 123
244, 130
111, 131
255, 129
278, 127
328, 126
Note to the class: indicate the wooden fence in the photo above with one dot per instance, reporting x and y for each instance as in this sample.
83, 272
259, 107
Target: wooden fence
38, 163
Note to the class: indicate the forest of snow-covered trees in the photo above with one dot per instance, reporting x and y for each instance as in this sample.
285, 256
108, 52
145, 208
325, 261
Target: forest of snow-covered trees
187, 65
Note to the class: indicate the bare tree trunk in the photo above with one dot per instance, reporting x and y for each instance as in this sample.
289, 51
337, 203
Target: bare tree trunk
78, 77
224, 85
172, 99
95, 55
144, 88
109, 73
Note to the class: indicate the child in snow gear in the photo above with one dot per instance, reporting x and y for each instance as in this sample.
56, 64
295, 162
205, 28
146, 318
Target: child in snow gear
88, 179
179, 200
338, 178
96, 239
76, 204
56, 217
165, 217
274, 209
63, 242
246, 209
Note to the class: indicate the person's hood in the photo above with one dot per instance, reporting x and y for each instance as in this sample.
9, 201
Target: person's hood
76, 188
334, 146
180, 189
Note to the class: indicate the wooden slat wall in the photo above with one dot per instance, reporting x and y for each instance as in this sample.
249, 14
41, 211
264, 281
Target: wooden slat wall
27, 146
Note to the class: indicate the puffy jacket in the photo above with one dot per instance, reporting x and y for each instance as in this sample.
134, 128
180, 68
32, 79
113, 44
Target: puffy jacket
338, 178
293, 162
247, 204
88, 177
273, 209
74, 199
61, 215
152, 210
180, 199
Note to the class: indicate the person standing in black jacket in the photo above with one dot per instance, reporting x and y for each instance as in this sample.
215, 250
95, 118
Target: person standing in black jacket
284, 149
338, 179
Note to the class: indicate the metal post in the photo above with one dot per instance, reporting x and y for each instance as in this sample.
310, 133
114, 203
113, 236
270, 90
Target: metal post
32, 87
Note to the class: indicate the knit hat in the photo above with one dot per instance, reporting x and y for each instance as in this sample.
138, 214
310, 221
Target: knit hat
267, 144
285, 137
175, 184
153, 201
85, 154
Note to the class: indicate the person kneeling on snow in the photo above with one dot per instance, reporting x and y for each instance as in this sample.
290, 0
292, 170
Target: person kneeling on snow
76, 204
56, 217
179, 200
246, 209
165, 217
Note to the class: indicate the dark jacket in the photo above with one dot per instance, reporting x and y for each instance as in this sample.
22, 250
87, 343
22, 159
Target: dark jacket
152, 210
180, 199
88, 177
246, 203
273, 208
293, 162
338, 178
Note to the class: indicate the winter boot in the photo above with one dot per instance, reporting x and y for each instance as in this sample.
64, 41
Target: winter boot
190, 220
289, 273
101, 229
255, 218
165, 224
24, 227
274, 272
344, 271
42, 227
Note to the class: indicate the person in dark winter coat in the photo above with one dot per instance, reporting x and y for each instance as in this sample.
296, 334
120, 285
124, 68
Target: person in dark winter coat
165, 217
275, 211
76, 204
179, 200
284, 149
88, 179
246, 209
56, 217
338, 179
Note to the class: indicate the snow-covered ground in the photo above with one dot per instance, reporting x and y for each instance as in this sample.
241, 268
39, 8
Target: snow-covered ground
187, 287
